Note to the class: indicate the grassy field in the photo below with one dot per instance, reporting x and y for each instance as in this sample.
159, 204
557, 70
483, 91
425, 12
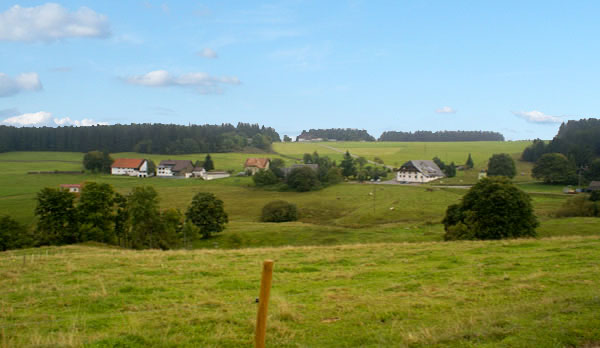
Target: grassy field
341, 214
519, 293
396, 153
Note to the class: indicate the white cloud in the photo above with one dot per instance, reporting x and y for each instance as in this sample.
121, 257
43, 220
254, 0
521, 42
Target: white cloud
51, 22
41, 118
202, 82
445, 110
537, 117
66, 121
23, 82
208, 53
45, 119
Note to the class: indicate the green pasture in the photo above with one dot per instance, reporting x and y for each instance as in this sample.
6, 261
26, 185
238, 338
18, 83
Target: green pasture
396, 153
340, 214
517, 293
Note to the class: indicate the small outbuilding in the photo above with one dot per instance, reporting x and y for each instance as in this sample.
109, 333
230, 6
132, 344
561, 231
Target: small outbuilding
73, 188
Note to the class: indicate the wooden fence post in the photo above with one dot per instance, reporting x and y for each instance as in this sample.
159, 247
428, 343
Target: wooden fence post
263, 303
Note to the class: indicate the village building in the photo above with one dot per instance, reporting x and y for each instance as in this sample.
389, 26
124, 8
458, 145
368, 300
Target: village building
288, 170
253, 165
200, 172
73, 188
175, 168
594, 186
130, 166
419, 171
214, 174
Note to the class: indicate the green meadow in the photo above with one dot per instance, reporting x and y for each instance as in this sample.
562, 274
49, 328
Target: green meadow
347, 213
364, 266
516, 293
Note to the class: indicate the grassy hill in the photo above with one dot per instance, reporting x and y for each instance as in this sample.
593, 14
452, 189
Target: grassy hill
341, 214
519, 293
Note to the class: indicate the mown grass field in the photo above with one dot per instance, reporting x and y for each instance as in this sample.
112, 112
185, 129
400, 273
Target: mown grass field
518, 293
341, 214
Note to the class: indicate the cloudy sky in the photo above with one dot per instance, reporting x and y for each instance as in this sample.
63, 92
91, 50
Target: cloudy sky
517, 67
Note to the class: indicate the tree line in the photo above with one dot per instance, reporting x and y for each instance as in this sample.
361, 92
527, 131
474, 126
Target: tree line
101, 214
144, 138
320, 172
572, 154
441, 136
339, 134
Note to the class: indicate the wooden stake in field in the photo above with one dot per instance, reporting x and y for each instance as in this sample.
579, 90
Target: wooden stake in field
263, 303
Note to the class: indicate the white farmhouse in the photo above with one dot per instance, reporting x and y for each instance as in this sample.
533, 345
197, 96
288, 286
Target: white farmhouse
419, 171
130, 166
180, 168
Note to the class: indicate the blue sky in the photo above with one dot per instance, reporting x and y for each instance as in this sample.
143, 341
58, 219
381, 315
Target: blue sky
516, 67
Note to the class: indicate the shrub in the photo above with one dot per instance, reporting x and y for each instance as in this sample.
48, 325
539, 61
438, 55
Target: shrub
580, 205
502, 165
13, 235
303, 179
492, 209
554, 168
264, 178
334, 175
279, 211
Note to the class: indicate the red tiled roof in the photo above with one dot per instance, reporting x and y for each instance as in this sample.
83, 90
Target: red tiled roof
127, 163
257, 162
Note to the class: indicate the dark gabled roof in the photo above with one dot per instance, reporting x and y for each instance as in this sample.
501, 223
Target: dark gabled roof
428, 168
176, 165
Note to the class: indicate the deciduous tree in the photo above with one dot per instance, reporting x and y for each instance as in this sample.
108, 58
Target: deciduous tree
207, 212
502, 165
492, 209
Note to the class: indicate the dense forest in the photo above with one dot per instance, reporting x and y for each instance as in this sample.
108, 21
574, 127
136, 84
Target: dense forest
145, 138
339, 134
579, 140
441, 136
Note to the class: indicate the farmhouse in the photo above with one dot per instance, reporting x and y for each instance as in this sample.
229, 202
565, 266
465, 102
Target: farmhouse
171, 168
288, 170
73, 188
594, 186
253, 165
130, 166
419, 171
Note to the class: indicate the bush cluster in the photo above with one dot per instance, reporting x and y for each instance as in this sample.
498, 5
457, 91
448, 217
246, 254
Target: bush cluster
279, 211
492, 209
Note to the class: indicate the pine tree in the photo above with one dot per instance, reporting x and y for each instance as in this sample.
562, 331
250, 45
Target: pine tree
348, 167
208, 163
469, 162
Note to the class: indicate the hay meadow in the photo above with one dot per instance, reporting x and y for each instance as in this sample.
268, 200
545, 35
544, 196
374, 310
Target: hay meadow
365, 265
